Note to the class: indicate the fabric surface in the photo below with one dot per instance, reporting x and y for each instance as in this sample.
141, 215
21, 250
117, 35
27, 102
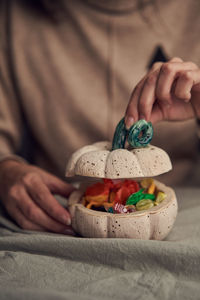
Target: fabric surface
68, 82
52, 266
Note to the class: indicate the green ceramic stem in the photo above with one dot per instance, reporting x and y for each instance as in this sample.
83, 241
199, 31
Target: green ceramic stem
139, 135
120, 136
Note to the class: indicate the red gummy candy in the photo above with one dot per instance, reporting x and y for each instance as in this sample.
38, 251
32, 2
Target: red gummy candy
108, 182
97, 189
124, 189
122, 195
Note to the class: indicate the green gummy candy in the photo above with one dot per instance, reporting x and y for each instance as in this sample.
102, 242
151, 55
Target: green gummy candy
134, 198
149, 196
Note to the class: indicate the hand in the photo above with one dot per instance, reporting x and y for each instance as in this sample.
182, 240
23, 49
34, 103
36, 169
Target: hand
170, 91
26, 192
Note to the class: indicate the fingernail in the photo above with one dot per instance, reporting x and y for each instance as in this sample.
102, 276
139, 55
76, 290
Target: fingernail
66, 220
129, 122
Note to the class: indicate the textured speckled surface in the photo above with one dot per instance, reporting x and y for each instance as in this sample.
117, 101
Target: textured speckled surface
98, 161
154, 223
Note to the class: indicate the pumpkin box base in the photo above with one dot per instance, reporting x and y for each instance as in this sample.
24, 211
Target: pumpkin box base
154, 223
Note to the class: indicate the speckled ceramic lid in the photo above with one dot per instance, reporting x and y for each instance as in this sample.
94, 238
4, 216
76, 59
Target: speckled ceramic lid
97, 160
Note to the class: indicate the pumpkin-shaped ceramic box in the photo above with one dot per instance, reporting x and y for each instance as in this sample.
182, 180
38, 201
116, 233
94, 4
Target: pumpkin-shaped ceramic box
99, 161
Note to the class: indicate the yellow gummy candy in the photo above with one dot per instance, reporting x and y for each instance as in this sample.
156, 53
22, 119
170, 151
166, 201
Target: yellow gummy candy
160, 197
151, 188
145, 183
144, 204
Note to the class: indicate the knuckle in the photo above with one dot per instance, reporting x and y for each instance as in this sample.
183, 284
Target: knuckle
52, 211
182, 95
14, 191
29, 178
192, 65
162, 95
138, 88
157, 65
42, 197
151, 79
186, 76
142, 106
175, 59
31, 213
167, 68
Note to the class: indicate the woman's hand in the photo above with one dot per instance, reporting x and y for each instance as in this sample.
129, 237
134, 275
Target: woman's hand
27, 194
170, 91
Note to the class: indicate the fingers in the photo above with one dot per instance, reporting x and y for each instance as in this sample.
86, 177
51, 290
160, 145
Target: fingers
132, 112
30, 216
162, 84
187, 80
58, 186
35, 214
27, 197
41, 195
167, 75
22, 221
158, 87
147, 96
157, 114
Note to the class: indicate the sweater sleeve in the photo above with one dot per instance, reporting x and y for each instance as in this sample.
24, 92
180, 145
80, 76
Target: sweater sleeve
11, 120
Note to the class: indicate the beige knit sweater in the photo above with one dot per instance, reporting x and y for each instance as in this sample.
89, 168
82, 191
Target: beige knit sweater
69, 81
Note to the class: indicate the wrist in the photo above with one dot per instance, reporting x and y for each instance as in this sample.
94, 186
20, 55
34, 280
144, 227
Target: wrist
8, 163
6, 167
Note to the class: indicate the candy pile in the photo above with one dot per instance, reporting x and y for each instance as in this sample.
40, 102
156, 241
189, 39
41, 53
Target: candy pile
123, 196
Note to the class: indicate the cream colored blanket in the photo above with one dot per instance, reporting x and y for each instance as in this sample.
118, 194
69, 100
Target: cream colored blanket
52, 266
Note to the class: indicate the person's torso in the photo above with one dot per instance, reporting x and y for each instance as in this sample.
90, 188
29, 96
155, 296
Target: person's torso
75, 76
